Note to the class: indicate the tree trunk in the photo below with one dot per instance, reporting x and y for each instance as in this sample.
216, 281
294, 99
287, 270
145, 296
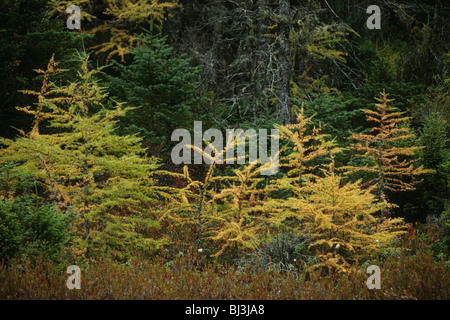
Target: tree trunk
284, 55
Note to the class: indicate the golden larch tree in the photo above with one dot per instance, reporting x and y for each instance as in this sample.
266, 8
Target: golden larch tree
300, 160
84, 164
124, 20
342, 221
391, 167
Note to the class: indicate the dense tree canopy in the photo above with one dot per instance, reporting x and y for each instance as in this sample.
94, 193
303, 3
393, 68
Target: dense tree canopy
89, 118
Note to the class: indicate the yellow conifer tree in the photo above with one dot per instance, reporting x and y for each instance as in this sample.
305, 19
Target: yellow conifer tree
300, 165
225, 209
124, 18
85, 165
342, 222
390, 167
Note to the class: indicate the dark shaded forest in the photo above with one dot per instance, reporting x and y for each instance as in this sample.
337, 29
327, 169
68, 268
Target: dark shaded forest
102, 165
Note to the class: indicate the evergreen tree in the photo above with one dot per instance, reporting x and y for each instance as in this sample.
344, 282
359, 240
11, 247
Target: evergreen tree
224, 208
334, 112
116, 23
333, 214
235, 223
431, 195
301, 159
306, 146
29, 36
251, 51
341, 220
84, 163
390, 164
161, 88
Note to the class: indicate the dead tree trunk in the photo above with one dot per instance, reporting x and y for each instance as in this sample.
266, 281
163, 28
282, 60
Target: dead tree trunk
284, 55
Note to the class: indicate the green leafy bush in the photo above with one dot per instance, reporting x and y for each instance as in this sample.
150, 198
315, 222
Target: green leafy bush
29, 230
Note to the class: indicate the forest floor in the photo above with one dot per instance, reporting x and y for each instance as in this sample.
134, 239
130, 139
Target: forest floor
417, 276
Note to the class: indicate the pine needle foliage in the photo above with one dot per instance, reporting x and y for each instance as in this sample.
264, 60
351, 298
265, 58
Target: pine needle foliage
226, 209
333, 214
391, 167
239, 221
308, 145
342, 221
301, 159
189, 212
161, 87
122, 23
83, 163
122, 13
239, 226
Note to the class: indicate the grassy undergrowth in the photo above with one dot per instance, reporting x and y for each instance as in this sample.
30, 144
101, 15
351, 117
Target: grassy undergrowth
405, 276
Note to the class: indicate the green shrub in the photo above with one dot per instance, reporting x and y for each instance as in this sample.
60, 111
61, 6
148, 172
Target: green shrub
9, 231
46, 230
29, 229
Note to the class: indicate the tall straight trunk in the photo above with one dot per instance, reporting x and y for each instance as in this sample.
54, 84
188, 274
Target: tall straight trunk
284, 55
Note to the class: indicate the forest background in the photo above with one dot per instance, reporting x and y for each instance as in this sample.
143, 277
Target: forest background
86, 123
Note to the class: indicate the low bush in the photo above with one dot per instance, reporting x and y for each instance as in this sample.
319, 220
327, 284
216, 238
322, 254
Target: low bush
29, 229
404, 276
